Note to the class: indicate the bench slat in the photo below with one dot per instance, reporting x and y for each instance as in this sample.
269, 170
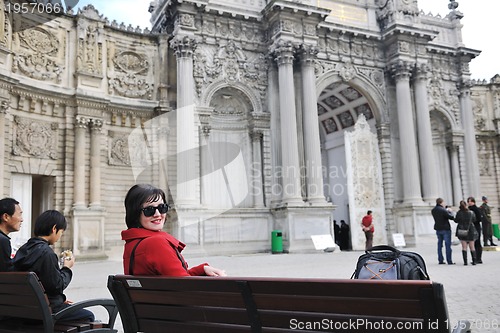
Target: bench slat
188, 313
155, 326
187, 298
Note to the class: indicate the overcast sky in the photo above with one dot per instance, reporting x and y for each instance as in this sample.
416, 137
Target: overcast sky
479, 31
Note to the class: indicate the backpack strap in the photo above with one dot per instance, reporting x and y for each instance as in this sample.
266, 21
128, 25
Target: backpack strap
132, 258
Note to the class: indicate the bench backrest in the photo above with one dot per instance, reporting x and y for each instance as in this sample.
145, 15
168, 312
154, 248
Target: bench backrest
220, 305
22, 296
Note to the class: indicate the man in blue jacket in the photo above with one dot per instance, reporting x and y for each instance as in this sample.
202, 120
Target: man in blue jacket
442, 217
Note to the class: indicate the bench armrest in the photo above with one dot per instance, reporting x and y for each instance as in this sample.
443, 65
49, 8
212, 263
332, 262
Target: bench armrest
108, 304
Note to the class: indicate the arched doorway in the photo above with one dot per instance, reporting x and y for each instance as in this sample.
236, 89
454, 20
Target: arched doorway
339, 107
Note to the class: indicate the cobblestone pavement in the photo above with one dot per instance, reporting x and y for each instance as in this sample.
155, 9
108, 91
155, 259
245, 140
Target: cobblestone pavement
472, 292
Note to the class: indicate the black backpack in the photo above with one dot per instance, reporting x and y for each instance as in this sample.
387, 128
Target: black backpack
384, 262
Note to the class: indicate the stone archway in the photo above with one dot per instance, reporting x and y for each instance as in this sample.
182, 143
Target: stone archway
228, 123
339, 106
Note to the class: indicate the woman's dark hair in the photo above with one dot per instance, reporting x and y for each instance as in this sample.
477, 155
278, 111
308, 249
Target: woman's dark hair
47, 220
135, 198
463, 206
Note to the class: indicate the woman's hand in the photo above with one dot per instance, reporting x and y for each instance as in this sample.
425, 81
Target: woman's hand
212, 271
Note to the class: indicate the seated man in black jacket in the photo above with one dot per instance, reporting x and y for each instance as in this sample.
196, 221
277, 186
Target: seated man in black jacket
37, 256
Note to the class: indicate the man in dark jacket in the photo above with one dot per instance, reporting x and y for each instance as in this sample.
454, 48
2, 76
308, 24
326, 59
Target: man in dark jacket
441, 217
37, 256
11, 218
479, 216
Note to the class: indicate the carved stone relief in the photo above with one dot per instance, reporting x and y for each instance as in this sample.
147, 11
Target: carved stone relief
38, 55
35, 138
128, 77
118, 150
89, 58
231, 64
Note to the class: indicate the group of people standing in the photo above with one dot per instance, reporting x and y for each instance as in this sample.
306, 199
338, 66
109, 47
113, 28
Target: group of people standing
471, 222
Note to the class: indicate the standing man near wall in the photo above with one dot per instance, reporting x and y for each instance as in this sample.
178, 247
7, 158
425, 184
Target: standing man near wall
11, 217
487, 227
442, 217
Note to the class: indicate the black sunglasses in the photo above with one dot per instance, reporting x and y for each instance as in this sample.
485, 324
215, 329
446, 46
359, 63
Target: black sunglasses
150, 210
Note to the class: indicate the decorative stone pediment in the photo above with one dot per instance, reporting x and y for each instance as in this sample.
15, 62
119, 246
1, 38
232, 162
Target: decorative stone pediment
38, 55
35, 138
129, 77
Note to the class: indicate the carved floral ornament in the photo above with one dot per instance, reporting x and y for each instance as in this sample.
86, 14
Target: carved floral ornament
38, 55
230, 64
130, 77
35, 138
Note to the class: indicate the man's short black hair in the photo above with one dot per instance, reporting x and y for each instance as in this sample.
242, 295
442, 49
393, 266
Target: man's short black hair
47, 220
8, 206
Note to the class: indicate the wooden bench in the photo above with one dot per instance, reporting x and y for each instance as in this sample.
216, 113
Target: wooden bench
232, 305
24, 307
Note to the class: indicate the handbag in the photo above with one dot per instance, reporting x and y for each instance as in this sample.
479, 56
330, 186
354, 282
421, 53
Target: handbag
464, 232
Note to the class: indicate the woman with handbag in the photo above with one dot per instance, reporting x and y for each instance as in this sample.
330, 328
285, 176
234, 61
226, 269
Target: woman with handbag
466, 232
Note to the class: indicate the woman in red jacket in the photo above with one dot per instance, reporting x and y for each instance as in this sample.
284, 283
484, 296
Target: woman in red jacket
148, 249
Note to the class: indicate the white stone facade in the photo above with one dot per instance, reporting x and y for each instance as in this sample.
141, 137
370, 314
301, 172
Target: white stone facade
239, 110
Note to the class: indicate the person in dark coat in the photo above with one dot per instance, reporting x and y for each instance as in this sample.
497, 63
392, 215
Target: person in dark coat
442, 217
465, 221
37, 256
11, 218
345, 236
479, 216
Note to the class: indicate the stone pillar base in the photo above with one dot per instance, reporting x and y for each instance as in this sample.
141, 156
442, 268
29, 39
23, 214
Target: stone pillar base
413, 221
87, 227
298, 224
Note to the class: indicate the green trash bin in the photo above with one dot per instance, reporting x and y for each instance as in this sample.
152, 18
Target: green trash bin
276, 241
496, 231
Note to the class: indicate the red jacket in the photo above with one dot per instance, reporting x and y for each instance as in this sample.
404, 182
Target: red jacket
156, 254
367, 221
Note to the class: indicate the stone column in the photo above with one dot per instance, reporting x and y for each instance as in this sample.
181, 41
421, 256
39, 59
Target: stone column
95, 162
408, 144
312, 146
257, 183
4, 106
455, 174
471, 158
186, 133
290, 167
424, 133
81, 125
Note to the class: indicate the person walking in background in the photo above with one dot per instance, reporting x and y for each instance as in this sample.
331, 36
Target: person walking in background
37, 256
465, 221
148, 249
487, 226
442, 226
11, 218
368, 229
477, 223
336, 232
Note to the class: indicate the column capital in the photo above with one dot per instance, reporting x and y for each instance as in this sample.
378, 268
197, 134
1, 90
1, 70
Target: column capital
82, 122
464, 87
283, 52
421, 71
308, 54
4, 107
96, 124
206, 130
184, 46
256, 135
401, 70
